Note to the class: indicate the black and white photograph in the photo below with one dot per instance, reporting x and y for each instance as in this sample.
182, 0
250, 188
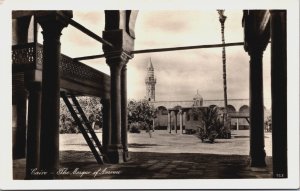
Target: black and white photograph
138, 96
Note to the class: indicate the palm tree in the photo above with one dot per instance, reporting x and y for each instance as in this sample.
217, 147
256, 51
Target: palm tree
222, 19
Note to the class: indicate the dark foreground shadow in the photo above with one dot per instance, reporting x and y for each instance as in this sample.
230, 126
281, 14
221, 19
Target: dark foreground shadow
149, 165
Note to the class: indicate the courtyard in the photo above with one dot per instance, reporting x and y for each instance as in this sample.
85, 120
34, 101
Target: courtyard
163, 156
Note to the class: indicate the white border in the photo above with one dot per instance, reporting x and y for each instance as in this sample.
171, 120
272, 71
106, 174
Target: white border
292, 7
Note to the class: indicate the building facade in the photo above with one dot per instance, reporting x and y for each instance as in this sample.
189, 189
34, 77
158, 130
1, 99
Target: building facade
180, 113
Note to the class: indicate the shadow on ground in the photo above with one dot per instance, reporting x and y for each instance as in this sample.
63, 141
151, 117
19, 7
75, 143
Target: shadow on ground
136, 145
149, 165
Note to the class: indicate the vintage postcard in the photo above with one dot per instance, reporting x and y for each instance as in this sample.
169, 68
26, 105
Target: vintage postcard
152, 96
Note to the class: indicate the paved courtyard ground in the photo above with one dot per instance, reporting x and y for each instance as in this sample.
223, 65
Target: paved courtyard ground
163, 156
163, 142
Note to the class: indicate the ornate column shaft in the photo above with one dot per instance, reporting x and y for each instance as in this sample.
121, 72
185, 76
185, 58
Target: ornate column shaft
279, 92
124, 124
52, 26
257, 144
33, 129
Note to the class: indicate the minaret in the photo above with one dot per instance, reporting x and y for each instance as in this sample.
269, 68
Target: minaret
150, 81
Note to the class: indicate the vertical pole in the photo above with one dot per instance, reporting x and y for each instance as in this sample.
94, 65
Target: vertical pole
279, 92
237, 124
33, 130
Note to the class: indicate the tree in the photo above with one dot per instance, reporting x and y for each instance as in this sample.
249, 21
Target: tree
222, 19
92, 109
141, 112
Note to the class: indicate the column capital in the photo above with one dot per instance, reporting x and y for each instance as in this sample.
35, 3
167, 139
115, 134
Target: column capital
118, 59
256, 31
52, 22
123, 45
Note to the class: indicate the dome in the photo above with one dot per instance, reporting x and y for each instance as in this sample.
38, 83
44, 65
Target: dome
198, 100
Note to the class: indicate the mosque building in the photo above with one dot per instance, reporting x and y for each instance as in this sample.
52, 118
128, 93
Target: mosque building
171, 114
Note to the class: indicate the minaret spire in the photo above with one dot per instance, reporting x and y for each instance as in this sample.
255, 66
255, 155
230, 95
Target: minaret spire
150, 82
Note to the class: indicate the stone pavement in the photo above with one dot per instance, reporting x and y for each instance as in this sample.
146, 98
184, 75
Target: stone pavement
164, 156
147, 165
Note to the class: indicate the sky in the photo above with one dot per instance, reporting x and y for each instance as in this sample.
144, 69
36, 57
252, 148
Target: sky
179, 73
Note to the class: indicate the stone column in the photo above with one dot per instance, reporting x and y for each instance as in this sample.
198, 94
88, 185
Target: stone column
106, 129
279, 92
117, 55
257, 144
52, 26
169, 121
124, 116
184, 121
21, 29
20, 36
19, 149
116, 62
237, 124
175, 123
33, 129
181, 121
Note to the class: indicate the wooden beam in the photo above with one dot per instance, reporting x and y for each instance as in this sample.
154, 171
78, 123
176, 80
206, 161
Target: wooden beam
165, 50
86, 31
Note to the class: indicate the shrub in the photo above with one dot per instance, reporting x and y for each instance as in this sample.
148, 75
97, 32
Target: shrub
212, 125
141, 112
134, 127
